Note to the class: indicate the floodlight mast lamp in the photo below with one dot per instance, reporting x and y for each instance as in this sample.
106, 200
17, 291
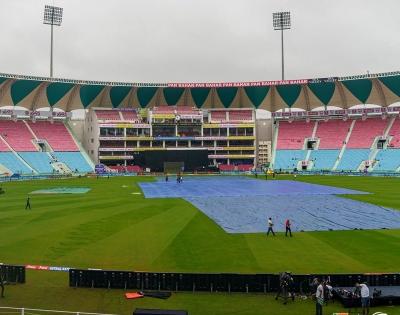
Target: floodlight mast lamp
281, 22
52, 16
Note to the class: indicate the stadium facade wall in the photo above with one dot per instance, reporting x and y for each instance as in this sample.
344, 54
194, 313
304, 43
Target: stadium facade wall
90, 137
117, 137
77, 128
264, 136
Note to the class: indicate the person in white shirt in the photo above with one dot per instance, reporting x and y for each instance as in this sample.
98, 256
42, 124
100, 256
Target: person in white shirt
364, 293
270, 225
319, 296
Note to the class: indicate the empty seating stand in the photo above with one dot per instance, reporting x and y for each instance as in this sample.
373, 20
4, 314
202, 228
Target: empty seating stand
107, 114
226, 167
3, 146
387, 160
218, 116
133, 169
17, 135
56, 135
240, 115
324, 159
187, 110
74, 160
292, 135
39, 161
164, 109
352, 158
245, 167
365, 131
13, 164
332, 133
130, 115
288, 159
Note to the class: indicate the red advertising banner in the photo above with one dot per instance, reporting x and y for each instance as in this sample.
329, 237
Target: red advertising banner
237, 84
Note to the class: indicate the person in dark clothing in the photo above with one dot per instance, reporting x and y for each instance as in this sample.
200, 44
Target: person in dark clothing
28, 203
2, 283
270, 225
286, 287
166, 177
288, 227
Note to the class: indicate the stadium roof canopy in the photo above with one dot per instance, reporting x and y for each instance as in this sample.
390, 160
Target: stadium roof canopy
36, 92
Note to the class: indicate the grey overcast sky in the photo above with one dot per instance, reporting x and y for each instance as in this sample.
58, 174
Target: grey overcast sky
200, 40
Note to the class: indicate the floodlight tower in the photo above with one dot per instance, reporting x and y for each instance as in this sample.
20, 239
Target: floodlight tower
281, 22
52, 16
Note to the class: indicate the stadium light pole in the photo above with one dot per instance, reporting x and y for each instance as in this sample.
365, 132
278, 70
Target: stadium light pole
53, 17
282, 22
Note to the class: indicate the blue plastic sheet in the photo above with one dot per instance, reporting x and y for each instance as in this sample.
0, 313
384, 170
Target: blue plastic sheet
235, 186
243, 205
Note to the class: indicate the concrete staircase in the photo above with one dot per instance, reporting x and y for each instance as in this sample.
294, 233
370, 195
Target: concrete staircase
374, 150
344, 146
274, 143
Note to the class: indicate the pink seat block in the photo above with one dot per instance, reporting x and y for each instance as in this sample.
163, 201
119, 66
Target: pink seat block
107, 114
365, 131
218, 115
291, 135
130, 115
332, 133
56, 135
240, 115
17, 135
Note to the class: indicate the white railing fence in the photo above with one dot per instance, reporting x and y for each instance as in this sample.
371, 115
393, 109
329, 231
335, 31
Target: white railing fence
34, 311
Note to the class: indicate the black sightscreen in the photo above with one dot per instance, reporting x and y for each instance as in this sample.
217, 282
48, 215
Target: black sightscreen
191, 159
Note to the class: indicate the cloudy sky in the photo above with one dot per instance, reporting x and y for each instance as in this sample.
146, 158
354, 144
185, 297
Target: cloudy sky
200, 40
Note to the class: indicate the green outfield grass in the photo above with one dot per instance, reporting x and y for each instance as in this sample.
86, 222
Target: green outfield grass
110, 227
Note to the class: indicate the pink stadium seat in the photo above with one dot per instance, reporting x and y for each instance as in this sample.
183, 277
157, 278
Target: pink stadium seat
164, 109
134, 169
291, 135
365, 132
245, 167
219, 115
17, 135
187, 110
130, 115
107, 114
332, 133
226, 167
240, 115
56, 135
395, 133
3, 146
